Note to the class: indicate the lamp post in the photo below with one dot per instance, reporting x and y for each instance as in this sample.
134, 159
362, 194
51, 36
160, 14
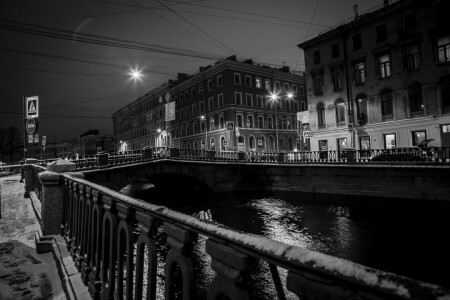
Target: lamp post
203, 118
274, 98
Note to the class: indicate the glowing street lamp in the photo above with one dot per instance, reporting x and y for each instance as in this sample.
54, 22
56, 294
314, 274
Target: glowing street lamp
203, 118
136, 74
274, 98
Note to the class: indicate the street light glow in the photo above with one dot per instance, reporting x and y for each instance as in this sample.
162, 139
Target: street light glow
136, 74
273, 96
290, 95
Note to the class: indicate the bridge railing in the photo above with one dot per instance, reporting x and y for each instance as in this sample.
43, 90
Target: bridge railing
121, 246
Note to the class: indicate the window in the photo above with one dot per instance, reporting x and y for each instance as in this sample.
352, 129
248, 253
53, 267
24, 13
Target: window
219, 80
193, 92
258, 82
337, 80
412, 58
356, 41
201, 106
267, 84
186, 95
277, 86
323, 148
318, 85
444, 49
211, 103
237, 98
211, 124
445, 93
321, 115
364, 142
237, 78
260, 122
302, 90
340, 111
384, 65
294, 89
259, 102
341, 144
334, 49
441, 9
361, 106
250, 121
415, 97
209, 84
389, 141
381, 32
386, 105
194, 109
286, 87
249, 99
251, 142
221, 122
270, 122
359, 73
418, 136
409, 22
316, 56
200, 89
220, 100
240, 121
248, 80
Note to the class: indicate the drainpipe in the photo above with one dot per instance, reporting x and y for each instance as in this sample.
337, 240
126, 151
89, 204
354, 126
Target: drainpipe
348, 87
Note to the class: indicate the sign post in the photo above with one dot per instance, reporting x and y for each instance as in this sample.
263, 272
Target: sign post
30, 113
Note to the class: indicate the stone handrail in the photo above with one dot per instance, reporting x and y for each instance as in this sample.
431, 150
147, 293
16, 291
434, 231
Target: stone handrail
98, 224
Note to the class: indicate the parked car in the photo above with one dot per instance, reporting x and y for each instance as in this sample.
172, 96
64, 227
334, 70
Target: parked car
402, 154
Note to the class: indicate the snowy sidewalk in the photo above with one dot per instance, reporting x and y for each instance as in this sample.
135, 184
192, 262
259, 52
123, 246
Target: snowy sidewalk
24, 274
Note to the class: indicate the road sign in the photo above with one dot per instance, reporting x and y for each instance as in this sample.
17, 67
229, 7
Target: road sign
31, 107
44, 140
225, 143
36, 138
230, 125
31, 126
259, 142
30, 139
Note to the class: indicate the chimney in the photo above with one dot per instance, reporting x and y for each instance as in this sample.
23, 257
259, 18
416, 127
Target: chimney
355, 8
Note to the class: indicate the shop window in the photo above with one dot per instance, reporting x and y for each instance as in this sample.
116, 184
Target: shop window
418, 136
389, 141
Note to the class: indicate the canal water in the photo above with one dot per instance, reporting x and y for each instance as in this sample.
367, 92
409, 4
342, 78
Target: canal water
405, 237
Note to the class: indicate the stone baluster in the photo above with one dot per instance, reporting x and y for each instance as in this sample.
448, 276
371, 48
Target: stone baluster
148, 227
82, 227
95, 283
76, 220
125, 252
179, 256
109, 247
232, 270
87, 238
27, 171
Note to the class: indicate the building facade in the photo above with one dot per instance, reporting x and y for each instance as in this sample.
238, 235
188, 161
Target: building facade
229, 106
382, 79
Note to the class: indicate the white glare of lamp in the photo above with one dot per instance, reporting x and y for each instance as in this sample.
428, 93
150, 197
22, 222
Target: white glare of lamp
159, 130
136, 74
290, 95
273, 96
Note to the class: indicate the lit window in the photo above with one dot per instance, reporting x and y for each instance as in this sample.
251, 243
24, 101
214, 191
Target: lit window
384, 64
359, 73
412, 58
258, 82
340, 111
444, 49
267, 84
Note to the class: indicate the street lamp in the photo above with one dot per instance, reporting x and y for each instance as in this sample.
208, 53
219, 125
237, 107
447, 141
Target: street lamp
274, 98
203, 118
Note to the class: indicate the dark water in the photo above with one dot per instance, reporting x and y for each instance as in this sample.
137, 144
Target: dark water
405, 237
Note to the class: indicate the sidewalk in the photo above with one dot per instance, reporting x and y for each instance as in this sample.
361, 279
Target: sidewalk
24, 274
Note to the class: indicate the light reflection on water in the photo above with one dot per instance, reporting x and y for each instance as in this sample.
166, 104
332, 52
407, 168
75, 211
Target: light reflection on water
383, 236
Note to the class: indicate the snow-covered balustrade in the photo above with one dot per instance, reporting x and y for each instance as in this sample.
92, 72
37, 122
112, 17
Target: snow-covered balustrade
114, 241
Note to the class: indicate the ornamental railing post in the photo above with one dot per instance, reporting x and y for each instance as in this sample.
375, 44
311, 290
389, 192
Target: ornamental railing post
87, 238
180, 242
232, 271
95, 283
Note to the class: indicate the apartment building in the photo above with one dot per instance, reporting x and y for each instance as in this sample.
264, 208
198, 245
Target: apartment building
381, 80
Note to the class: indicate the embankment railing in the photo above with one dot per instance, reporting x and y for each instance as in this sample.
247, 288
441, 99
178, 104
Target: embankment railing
116, 243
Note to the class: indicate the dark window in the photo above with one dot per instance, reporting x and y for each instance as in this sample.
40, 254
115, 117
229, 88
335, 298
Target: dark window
361, 105
386, 105
443, 46
316, 56
321, 115
356, 41
418, 136
415, 98
248, 80
359, 73
381, 32
337, 80
409, 22
441, 9
318, 85
334, 50
445, 93
412, 56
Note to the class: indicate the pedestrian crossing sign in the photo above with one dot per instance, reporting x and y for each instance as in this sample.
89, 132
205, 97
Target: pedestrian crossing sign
32, 107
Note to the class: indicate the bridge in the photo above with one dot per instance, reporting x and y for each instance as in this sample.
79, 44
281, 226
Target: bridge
80, 203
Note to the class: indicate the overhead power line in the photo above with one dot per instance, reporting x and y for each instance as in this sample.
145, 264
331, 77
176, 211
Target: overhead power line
99, 40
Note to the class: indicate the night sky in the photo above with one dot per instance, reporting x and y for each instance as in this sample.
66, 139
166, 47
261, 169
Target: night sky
80, 84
